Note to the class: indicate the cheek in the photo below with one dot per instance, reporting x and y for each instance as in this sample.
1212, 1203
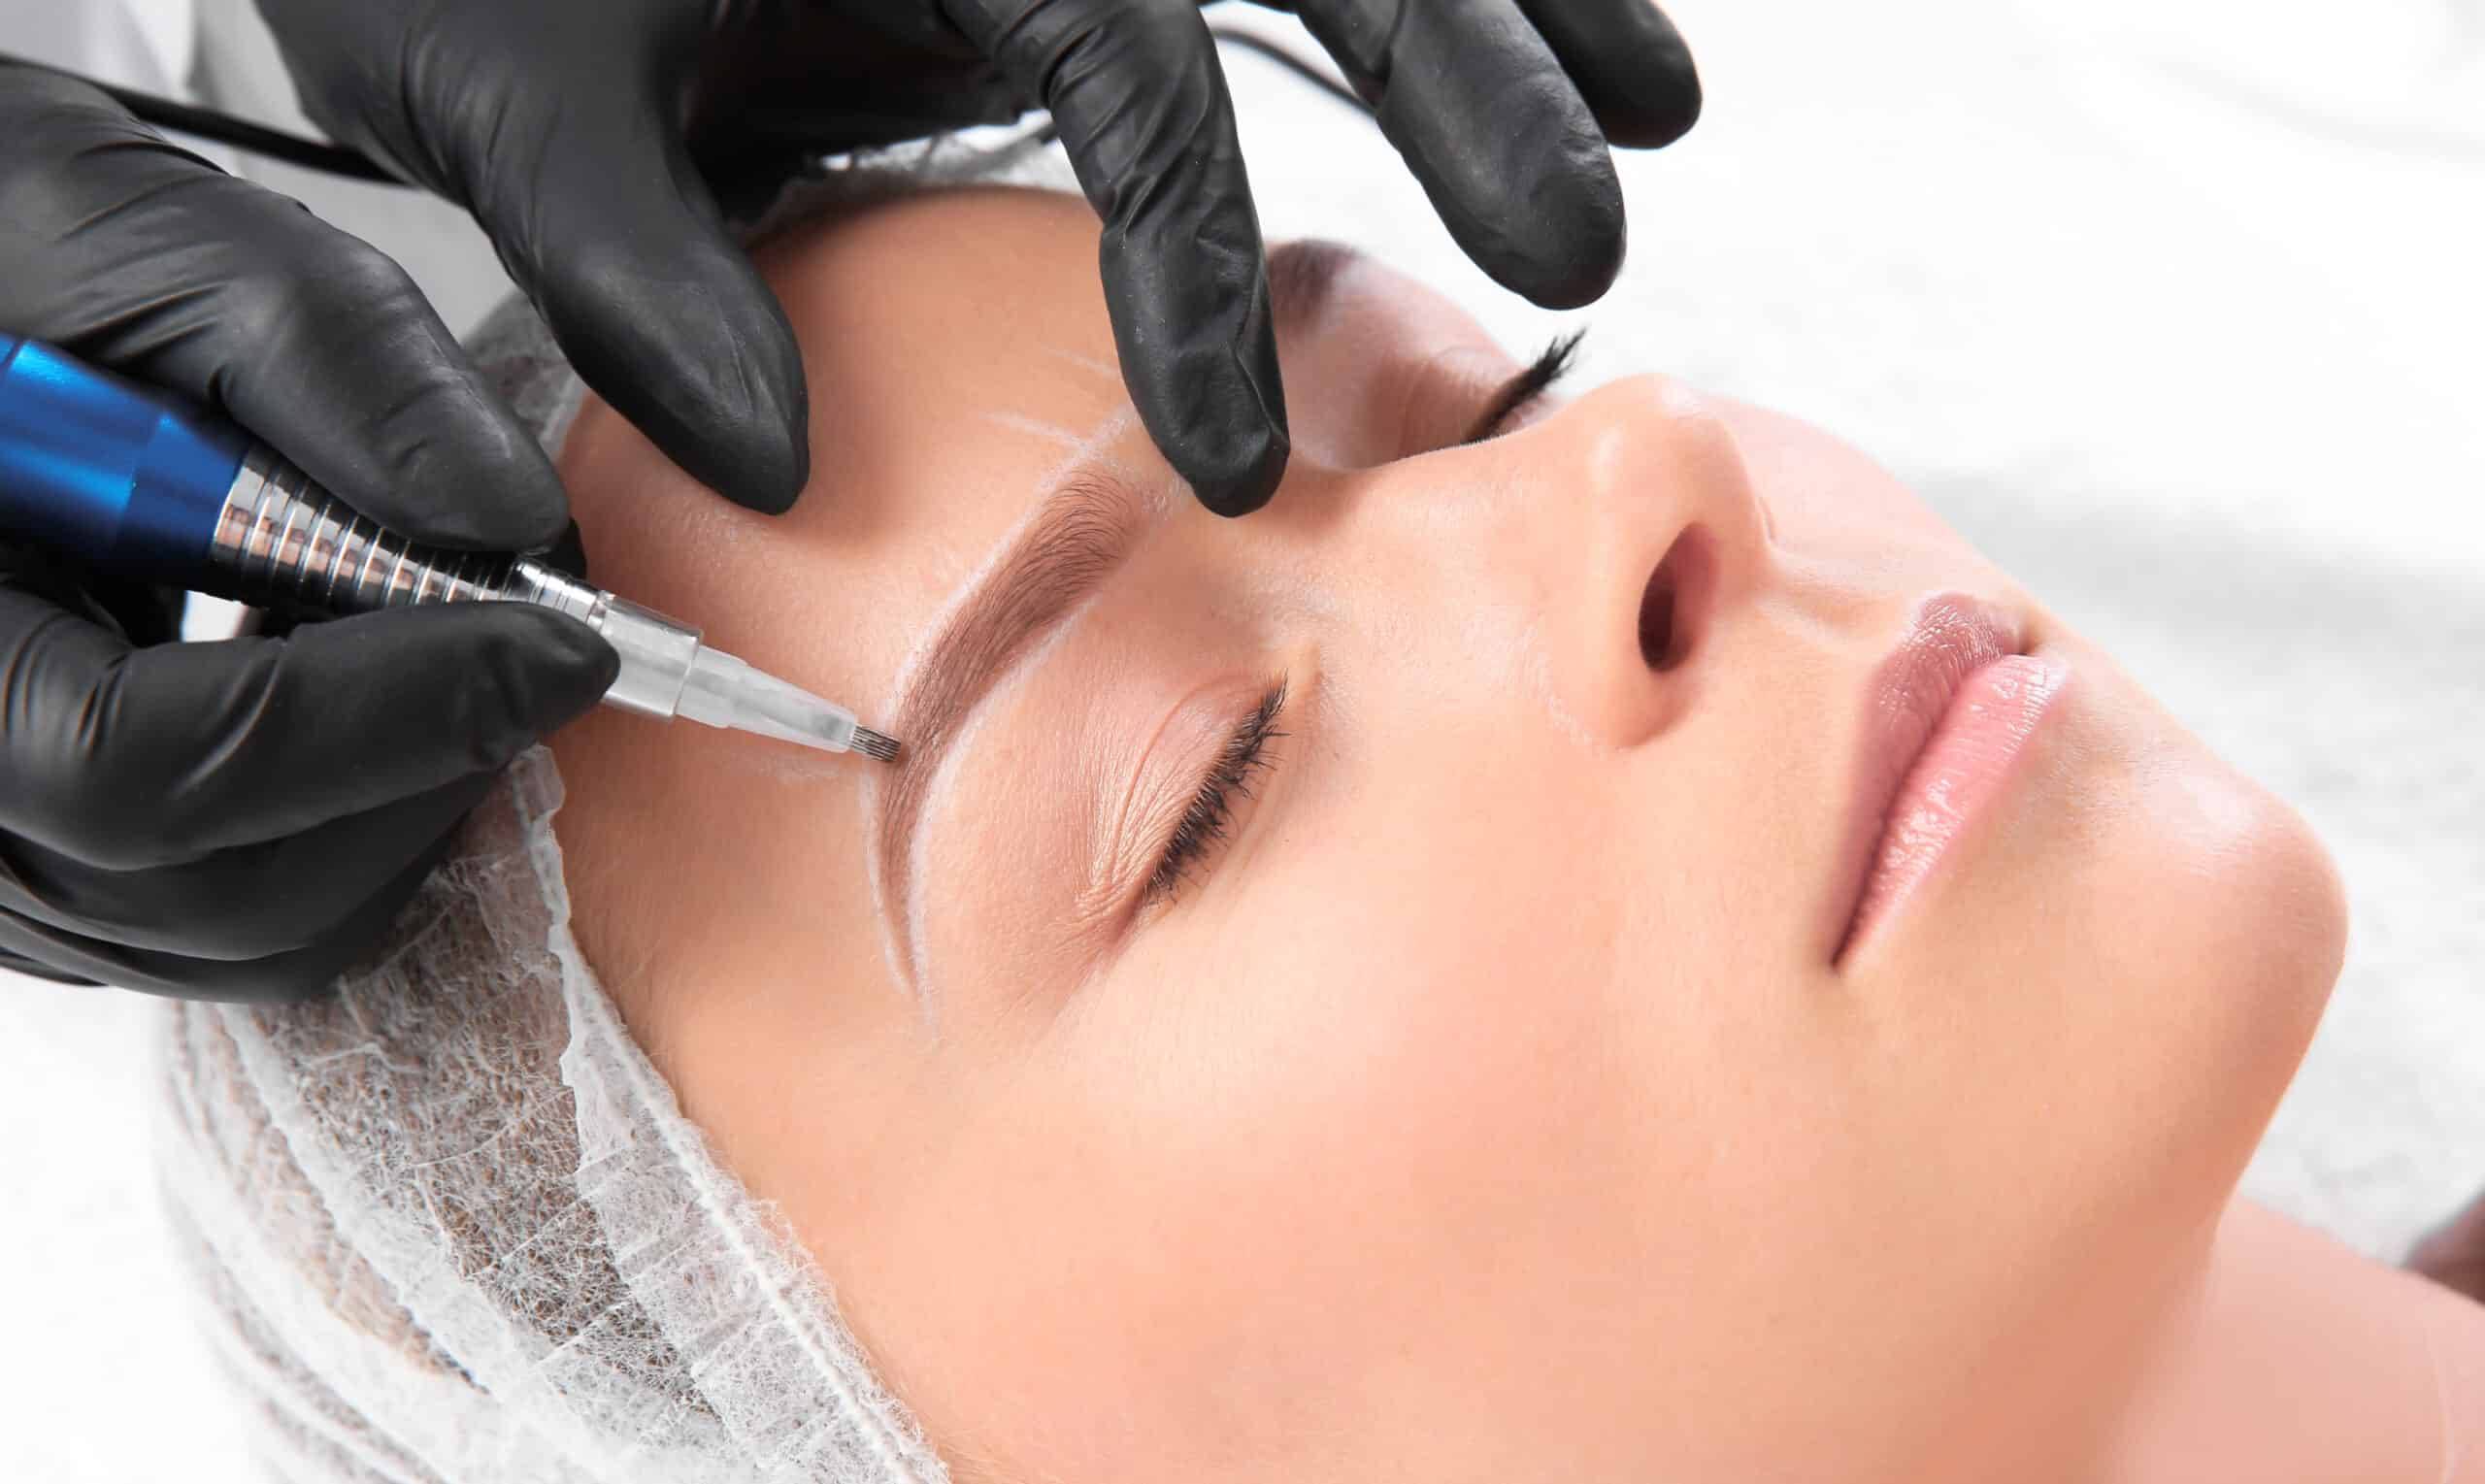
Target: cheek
1216, 1210
1370, 1134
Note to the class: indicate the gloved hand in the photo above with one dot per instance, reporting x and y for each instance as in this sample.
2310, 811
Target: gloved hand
591, 139
239, 819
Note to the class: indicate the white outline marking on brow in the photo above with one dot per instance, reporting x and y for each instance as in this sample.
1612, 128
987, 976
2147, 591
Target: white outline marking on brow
1036, 427
1113, 426
1103, 370
962, 745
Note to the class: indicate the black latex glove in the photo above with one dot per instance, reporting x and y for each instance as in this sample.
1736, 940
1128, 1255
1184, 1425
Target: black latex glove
240, 819
591, 139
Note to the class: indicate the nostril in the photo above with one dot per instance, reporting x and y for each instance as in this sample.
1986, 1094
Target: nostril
1656, 618
1668, 603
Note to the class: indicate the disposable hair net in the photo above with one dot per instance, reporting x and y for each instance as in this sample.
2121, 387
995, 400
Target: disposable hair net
452, 1225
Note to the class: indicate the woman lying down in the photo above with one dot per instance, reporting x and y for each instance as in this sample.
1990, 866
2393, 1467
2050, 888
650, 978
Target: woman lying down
1592, 941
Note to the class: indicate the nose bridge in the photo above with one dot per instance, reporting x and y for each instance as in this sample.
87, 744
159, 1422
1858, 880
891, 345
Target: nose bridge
1612, 467
1606, 539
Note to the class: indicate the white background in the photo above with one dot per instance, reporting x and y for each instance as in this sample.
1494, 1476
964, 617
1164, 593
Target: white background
2173, 305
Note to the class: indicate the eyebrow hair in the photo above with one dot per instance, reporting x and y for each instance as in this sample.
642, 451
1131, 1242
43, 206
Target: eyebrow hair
1301, 273
1080, 535
1081, 532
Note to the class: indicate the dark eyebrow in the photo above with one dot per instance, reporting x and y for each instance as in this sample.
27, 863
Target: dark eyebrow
1080, 533
1301, 273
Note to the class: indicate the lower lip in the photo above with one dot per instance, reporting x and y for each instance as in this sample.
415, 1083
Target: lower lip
1967, 763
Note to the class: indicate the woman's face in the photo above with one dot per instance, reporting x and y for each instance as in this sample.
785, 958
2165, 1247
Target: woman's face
1366, 990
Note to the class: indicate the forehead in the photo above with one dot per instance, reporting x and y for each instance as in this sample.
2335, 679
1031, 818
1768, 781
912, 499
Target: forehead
959, 359
956, 349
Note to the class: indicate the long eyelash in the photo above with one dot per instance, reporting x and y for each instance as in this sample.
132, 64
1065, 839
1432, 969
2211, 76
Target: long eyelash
1204, 823
1551, 365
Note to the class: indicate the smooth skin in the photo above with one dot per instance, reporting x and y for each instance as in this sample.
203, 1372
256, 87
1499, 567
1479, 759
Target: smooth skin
1487, 1104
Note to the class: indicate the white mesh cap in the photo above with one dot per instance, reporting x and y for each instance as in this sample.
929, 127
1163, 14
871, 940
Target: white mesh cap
451, 1225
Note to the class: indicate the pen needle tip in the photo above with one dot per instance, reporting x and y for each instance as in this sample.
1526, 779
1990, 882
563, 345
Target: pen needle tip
873, 744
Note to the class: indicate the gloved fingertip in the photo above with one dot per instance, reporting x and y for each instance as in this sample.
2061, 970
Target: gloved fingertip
1243, 469
1631, 64
772, 465
484, 485
1662, 111
1576, 249
522, 525
1560, 274
723, 395
1537, 205
1687, 99
1577, 277
549, 669
588, 665
536, 524
1186, 286
750, 427
566, 552
1231, 442
526, 505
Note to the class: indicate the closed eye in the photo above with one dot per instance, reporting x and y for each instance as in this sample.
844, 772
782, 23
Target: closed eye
1208, 817
1521, 391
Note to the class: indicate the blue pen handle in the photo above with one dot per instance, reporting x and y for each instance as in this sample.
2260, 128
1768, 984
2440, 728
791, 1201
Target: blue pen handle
139, 483
122, 477
142, 484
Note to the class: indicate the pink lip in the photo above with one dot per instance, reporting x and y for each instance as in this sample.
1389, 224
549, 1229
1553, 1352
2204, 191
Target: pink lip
1946, 719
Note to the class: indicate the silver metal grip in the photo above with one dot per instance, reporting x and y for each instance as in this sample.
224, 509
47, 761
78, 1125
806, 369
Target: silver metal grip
280, 538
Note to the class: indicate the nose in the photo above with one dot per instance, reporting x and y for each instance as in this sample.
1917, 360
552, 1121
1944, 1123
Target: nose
1642, 530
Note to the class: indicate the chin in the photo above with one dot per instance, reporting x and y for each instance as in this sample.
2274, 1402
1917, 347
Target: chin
2278, 952
2180, 929
2197, 926
2233, 922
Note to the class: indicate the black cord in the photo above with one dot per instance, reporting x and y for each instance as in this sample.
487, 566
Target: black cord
224, 128
354, 165
1287, 58
1284, 57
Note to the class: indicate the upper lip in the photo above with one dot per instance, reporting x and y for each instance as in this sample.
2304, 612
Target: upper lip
1949, 638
